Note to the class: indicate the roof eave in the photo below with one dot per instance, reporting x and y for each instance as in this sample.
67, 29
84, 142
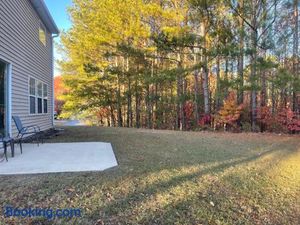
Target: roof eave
45, 16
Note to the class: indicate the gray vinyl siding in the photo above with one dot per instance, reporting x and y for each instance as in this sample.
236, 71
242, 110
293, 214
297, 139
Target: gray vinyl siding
20, 46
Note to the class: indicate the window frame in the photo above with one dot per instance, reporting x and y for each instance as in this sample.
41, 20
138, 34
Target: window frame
32, 95
43, 97
42, 28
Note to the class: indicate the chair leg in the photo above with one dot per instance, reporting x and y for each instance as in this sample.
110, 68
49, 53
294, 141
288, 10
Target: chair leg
42, 138
20, 142
12, 147
5, 151
37, 139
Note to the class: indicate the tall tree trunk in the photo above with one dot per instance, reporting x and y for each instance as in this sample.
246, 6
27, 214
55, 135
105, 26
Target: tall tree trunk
137, 105
148, 107
263, 89
241, 67
253, 62
177, 125
295, 55
119, 100
196, 92
119, 111
112, 116
273, 97
179, 117
218, 89
150, 95
184, 118
206, 91
232, 68
263, 93
184, 94
263, 71
129, 105
226, 76
129, 96
108, 121
174, 108
205, 73
155, 111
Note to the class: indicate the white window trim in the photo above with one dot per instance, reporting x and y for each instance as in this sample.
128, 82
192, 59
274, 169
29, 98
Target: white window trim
9, 95
36, 97
30, 95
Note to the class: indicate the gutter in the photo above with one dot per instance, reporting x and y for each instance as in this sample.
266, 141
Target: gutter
53, 99
44, 14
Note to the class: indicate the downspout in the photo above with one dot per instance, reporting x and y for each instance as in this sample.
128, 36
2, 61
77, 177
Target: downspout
53, 99
9, 99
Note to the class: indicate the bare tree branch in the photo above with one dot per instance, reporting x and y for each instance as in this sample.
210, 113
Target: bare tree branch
271, 23
239, 14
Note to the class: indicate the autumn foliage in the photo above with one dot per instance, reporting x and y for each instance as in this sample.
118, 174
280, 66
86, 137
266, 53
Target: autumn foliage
101, 115
284, 120
171, 64
59, 90
265, 118
189, 113
205, 121
229, 113
288, 120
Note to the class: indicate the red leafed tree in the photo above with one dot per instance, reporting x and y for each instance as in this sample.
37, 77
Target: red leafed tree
288, 120
229, 113
266, 118
189, 112
205, 121
59, 89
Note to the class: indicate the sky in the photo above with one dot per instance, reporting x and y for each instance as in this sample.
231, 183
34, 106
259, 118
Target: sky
58, 10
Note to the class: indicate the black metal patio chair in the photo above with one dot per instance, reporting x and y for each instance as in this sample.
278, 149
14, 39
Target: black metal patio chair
5, 150
25, 133
5, 142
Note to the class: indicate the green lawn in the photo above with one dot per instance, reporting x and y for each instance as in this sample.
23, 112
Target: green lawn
168, 177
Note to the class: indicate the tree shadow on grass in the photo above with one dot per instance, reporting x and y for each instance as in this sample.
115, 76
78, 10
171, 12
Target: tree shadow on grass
197, 210
136, 198
141, 193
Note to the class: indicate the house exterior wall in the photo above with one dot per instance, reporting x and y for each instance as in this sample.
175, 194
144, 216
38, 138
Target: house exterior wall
21, 47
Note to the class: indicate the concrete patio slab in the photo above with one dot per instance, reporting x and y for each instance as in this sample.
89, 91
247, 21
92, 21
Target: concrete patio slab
60, 157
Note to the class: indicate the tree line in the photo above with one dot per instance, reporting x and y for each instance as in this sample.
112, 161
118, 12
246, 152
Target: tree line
183, 64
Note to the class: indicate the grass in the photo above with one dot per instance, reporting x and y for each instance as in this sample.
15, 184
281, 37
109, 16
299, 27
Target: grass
168, 177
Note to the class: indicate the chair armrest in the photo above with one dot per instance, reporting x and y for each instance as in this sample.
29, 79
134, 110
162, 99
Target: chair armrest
34, 127
23, 130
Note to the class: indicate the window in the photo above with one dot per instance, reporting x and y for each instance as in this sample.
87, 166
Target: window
38, 97
32, 95
45, 97
42, 34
